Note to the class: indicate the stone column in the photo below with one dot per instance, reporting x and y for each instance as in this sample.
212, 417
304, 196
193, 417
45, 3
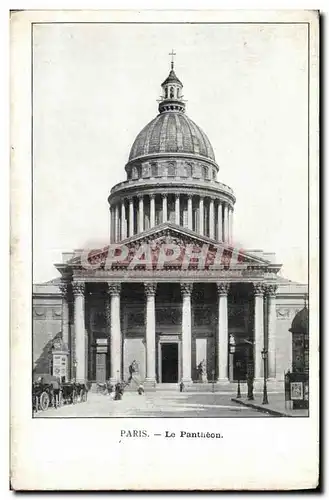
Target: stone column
123, 220
131, 216
211, 219
220, 221
189, 212
164, 208
110, 223
231, 225
65, 312
150, 289
141, 214
225, 223
177, 209
66, 325
186, 289
79, 330
115, 339
258, 328
201, 216
116, 219
222, 290
152, 210
271, 329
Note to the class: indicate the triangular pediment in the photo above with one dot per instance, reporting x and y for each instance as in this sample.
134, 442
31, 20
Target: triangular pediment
145, 249
168, 233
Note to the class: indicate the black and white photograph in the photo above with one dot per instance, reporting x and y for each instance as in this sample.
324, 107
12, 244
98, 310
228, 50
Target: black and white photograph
170, 223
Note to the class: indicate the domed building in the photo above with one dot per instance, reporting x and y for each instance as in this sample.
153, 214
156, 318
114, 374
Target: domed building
170, 295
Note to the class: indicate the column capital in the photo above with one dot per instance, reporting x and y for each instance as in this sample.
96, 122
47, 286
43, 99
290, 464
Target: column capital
223, 288
189, 196
64, 288
78, 288
186, 289
164, 195
270, 289
152, 196
140, 196
150, 289
130, 198
177, 194
114, 289
259, 289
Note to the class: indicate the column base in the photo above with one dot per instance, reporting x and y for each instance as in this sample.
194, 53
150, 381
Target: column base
149, 384
187, 382
223, 381
114, 380
80, 380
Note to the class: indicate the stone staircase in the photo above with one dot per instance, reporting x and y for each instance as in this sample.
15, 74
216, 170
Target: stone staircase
231, 387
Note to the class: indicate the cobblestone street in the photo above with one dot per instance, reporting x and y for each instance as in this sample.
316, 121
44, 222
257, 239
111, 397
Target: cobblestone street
155, 404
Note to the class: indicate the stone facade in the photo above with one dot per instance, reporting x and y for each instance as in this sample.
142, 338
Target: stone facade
178, 323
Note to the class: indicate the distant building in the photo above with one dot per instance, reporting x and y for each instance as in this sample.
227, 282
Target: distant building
185, 313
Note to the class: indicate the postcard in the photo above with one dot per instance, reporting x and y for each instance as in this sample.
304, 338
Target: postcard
164, 231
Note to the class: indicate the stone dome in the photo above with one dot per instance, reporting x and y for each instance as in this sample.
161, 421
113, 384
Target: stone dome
171, 132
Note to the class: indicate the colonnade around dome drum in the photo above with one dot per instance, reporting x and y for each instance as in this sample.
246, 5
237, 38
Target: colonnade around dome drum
205, 215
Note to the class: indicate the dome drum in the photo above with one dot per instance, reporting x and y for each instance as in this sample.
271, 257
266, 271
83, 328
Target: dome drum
171, 167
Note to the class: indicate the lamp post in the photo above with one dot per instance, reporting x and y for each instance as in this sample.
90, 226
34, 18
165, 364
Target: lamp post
264, 356
232, 351
238, 365
213, 380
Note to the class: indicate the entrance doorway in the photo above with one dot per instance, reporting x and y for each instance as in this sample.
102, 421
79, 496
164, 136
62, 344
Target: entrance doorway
169, 362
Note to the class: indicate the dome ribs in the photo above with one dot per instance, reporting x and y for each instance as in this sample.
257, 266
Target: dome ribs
200, 137
155, 137
137, 148
171, 134
149, 134
163, 135
186, 135
179, 133
209, 150
195, 149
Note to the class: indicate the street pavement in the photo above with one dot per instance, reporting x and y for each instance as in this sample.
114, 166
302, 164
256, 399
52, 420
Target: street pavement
155, 404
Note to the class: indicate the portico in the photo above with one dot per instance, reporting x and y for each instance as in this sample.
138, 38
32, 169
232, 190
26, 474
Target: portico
168, 326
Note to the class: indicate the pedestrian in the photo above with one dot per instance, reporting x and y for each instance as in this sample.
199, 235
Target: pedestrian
118, 391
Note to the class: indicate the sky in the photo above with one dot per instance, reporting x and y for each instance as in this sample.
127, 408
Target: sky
95, 86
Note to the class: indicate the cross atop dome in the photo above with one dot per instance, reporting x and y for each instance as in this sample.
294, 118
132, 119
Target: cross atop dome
172, 54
